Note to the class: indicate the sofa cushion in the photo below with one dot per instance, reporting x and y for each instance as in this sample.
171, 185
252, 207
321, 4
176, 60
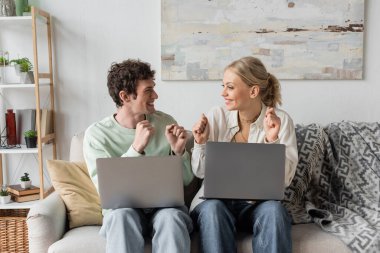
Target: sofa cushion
75, 187
306, 238
310, 155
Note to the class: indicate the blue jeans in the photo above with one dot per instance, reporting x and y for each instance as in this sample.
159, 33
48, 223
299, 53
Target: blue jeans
125, 229
218, 221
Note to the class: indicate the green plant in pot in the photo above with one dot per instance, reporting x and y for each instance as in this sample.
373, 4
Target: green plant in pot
30, 138
5, 197
25, 181
24, 69
3, 61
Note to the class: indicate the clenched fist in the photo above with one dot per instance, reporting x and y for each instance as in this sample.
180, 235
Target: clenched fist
177, 137
144, 130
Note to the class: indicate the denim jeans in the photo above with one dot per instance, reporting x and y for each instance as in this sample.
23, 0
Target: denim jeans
125, 229
218, 221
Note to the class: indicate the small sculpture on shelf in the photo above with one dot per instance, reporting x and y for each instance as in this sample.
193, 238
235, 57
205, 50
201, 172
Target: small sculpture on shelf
30, 138
5, 197
7, 8
25, 181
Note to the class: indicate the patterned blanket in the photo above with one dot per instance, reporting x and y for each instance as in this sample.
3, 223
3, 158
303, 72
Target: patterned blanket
337, 183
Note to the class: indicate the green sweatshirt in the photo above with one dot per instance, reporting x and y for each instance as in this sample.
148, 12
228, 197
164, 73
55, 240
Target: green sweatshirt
107, 138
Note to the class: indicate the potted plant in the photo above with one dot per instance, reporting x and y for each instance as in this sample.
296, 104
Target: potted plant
30, 138
5, 197
25, 181
3, 61
24, 68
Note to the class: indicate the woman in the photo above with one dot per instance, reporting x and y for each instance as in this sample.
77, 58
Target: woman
251, 95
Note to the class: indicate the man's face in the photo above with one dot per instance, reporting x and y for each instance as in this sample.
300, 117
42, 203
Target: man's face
143, 103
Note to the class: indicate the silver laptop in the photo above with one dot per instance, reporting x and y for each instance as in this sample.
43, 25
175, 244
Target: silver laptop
246, 171
140, 182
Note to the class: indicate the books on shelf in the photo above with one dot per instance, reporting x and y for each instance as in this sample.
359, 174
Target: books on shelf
25, 198
18, 190
19, 194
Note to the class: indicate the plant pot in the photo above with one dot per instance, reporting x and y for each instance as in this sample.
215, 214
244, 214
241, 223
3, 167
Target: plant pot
31, 142
5, 199
17, 69
26, 184
27, 77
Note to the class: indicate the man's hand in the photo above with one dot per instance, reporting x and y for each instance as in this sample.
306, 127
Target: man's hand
201, 130
272, 125
177, 137
144, 130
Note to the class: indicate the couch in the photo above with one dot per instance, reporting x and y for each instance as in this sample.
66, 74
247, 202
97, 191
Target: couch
305, 200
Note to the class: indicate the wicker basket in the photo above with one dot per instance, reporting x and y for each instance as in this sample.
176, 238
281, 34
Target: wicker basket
13, 230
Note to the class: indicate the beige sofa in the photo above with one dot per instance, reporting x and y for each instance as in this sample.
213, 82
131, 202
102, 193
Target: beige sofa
48, 229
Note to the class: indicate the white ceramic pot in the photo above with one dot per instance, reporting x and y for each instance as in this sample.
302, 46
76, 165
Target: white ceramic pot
26, 184
5, 199
26, 77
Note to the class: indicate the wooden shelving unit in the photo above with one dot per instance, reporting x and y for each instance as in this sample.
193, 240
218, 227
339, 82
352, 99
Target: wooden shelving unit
42, 80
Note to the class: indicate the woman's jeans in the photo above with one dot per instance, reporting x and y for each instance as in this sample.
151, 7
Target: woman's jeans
218, 220
125, 229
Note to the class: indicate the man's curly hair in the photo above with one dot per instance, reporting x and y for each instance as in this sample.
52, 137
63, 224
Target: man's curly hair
124, 77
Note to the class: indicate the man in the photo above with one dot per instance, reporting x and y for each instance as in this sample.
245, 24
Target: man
137, 129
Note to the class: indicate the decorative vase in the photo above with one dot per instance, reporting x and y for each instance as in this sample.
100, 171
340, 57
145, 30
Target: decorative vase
5, 199
19, 7
26, 184
7, 8
10, 121
31, 142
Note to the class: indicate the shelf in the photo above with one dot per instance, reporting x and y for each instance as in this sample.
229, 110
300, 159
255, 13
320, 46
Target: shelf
23, 85
15, 18
22, 150
16, 205
44, 79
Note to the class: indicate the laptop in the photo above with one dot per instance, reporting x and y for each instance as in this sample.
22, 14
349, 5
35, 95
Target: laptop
140, 182
245, 171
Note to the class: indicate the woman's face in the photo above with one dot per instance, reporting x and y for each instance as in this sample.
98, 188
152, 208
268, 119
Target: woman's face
235, 92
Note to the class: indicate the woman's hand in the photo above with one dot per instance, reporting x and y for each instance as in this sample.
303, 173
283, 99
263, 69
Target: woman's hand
272, 124
201, 130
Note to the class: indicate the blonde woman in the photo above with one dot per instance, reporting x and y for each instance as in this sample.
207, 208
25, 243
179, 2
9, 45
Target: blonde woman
251, 96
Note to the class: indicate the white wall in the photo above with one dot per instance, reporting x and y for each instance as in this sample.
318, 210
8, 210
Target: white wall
89, 35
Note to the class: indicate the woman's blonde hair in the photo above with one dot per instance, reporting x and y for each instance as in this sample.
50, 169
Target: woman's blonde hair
253, 72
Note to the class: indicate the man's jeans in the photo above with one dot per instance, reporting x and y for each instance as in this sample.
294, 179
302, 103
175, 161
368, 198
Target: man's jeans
125, 229
218, 220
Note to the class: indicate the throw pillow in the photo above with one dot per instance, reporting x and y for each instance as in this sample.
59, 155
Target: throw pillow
73, 183
310, 156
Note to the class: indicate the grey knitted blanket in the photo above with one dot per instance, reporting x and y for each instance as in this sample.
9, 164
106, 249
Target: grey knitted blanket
337, 184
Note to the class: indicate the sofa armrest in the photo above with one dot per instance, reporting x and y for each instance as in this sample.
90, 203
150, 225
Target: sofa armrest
46, 223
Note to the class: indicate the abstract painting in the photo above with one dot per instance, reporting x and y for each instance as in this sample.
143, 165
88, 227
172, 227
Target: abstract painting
309, 39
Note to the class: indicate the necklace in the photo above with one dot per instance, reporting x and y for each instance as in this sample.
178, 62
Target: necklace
249, 120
